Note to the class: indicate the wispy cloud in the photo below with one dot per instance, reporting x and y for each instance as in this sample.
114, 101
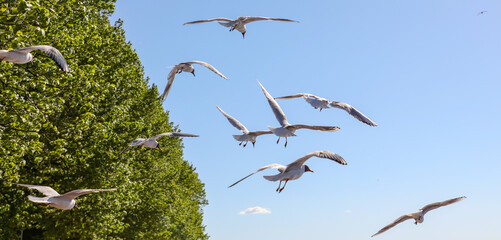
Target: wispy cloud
255, 210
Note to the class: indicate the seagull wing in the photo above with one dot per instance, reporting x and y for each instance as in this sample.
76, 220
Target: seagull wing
134, 143
75, 193
280, 168
125, 150
47, 191
319, 128
209, 20
253, 19
294, 96
170, 80
279, 114
436, 205
353, 112
209, 67
173, 134
233, 121
321, 154
259, 133
52, 52
394, 223
38, 199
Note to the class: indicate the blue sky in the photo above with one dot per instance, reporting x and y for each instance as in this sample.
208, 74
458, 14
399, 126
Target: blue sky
427, 72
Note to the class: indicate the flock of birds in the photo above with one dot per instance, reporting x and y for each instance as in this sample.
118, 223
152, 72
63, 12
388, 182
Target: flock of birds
292, 171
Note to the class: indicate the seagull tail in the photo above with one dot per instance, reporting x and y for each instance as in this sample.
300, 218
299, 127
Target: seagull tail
273, 178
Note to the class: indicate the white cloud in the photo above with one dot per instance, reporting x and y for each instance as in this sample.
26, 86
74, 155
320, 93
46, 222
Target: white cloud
255, 210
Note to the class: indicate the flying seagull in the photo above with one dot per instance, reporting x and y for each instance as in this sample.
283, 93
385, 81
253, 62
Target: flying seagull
419, 215
239, 23
295, 169
152, 141
186, 67
319, 102
23, 55
61, 201
247, 136
287, 130
481, 12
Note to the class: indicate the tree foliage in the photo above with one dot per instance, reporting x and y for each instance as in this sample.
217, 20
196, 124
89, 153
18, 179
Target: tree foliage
66, 130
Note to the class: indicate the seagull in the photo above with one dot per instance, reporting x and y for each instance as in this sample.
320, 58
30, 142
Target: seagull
287, 130
247, 136
419, 215
239, 23
23, 55
319, 102
186, 67
65, 201
152, 141
295, 169
481, 12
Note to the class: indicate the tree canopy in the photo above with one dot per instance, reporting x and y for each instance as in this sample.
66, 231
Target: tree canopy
66, 130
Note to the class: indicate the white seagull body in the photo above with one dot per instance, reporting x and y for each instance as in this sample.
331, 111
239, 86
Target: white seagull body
61, 201
419, 215
152, 141
23, 55
286, 129
247, 136
186, 67
295, 169
239, 23
321, 103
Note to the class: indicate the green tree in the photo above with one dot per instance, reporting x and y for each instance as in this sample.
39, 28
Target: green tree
66, 130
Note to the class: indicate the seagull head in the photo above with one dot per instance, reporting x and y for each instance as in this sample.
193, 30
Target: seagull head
76, 205
253, 143
307, 169
243, 34
193, 72
158, 146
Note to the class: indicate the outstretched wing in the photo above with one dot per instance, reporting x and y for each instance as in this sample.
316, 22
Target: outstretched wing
134, 143
234, 122
38, 199
280, 168
319, 128
259, 133
47, 191
209, 20
353, 112
170, 80
209, 67
173, 134
436, 205
295, 96
279, 114
75, 193
321, 154
394, 223
52, 52
253, 19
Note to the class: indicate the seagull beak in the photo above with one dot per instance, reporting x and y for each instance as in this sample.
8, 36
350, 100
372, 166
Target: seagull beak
76, 206
311, 171
158, 146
